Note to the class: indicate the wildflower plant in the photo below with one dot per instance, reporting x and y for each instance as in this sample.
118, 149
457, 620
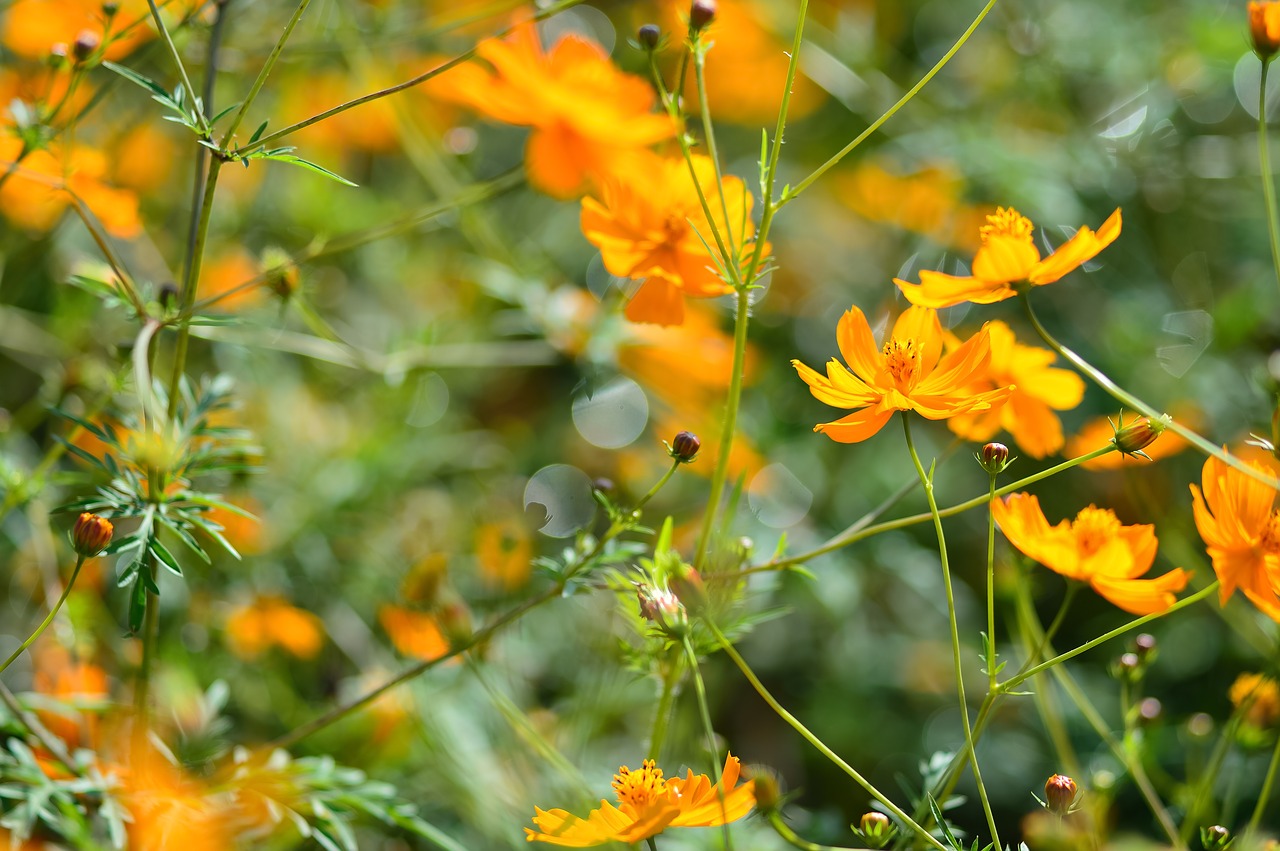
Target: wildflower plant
402, 493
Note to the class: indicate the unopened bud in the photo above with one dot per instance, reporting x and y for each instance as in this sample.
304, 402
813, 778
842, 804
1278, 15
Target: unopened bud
91, 534
110, 7
281, 273
1149, 710
1131, 439
649, 35
689, 589
875, 828
1145, 647
58, 55
1264, 27
1059, 794
684, 448
455, 623
661, 607
1216, 838
168, 295
85, 44
1128, 668
603, 485
768, 788
994, 458
701, 13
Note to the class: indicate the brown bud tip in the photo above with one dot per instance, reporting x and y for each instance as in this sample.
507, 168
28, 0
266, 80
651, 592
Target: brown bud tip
85, 44
168, 295
1215, 838
1059, 794
110, 7
648, 36
1139, 434
701, 13
994, 457
685, 446
768, 788
91, 534
1264, 27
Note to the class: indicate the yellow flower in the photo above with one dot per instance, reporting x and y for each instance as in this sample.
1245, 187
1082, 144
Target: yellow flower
1039, 390
1094, 548
909, 373
504, 554
1240, 525
648, 804
1263, 696
1009, 262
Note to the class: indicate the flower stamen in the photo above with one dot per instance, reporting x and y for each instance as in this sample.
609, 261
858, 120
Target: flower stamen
1093, 528
1006, 221
640, 788
902, 359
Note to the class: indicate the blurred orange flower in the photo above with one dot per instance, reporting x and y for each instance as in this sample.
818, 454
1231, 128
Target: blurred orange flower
1038, 391
271, 621
585, 113
1008, 262
228, 272
649, 223
647, 805
1099, 431
1260, 694
414, 634
170, 809
504, 554
1236, 516
927, 202
35, 194
1094, 548
69, 681
32, 27
908, 373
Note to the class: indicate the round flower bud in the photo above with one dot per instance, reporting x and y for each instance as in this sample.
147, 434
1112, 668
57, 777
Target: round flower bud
603, 485
281, 273
1145, 647
1215, 838
1131, 439
91, 534
455, 622
684, 448
85, 44
648, 36
994, 458
701, 13
1264, 27
57, 55
1059, 794
1149, 710
875, 828
768, 789
661, 607
110, 7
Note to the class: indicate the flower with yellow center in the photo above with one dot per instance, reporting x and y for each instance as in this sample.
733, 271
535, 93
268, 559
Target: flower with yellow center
1094, 548
648, 803
1240, 525
1009, 262
907, 373
1258, 696
1039, 390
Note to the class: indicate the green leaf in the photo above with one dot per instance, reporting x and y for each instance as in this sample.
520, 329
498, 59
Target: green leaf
137, 606
224, 112
257, 134
161, 552
134, 77
310, 166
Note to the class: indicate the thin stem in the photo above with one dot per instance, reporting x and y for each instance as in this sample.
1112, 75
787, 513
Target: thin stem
1265, 795
44, 624
150, 635
675, 465
992, 671
904, 819
653, 846
875, 125
47, 740
1264, 160
190, 284
542, 14
709, 133
265, 72
1043, 697
202, 153
1202, 792
792, 838
1125, 397
704, 711
852, 535
926, 482
1048, 634
666, 700
177, 61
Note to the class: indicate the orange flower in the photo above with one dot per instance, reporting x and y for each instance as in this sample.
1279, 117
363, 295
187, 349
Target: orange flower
69, 682
1240, 525
34, 195
171, 809
270, 620
413, 633
1094, 548
1038, 391
33, 27
585, 113
1264, 26
504, 554
1009, 262
647, 805
927, 201
649, 224
908, 373
1260, 698
1099, 432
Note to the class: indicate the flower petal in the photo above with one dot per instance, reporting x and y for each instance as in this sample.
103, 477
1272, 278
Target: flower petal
856, 427
858, 345
1004, 259
1084, 246
1142, 596
937, 290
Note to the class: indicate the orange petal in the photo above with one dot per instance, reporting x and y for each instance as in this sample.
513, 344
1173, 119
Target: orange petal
937, 290
658, 301
1004, 259
1084, 246
1142, 596
858, 345
856, 427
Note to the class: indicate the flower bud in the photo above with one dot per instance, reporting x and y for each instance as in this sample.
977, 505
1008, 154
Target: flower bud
684, 448
603, 485
994, 458
168, 295
1145, 647
875, 828
648, 36
57, 55
701, 13
1059, 794
661, 607
91, 534
1264, 27
280, 272
1131, 439
1216, 838
1149, 711
455, 622
85, 44
109, 8
689, 589
768, 788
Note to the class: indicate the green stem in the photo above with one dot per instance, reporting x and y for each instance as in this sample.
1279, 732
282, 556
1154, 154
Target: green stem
852, 535
150, 635
653, 846
904, 819
265, 72
177, 61
190, 284
1043, 697
992, 671
704, 711
666, 700
1047, 635
44, 624
675, 464
708, 131
1264, 160
792, 838
1125, 397
1265, 795
926, 481
875, 125
1203, 790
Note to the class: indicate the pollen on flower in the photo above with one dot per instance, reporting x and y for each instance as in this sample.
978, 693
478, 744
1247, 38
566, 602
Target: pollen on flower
640, 788
1094, 527
1269, 540
902, 359
1006, 221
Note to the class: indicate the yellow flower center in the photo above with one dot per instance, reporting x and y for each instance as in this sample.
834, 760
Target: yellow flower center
1006, 221
640, 788
1094, 528
902, 358
675, 226
1269, 541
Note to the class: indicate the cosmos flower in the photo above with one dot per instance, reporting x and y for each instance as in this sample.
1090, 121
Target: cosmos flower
908, 373
647, 805
1094, 548
1009, 262
1240, 525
